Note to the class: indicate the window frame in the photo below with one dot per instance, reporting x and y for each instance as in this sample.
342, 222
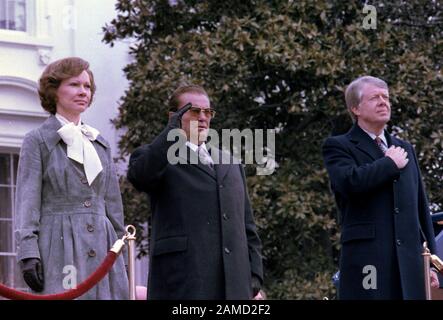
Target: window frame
29, 22
37, 27
11, 152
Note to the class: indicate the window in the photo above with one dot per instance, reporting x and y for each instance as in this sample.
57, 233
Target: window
9, 270
13, 15
27, 23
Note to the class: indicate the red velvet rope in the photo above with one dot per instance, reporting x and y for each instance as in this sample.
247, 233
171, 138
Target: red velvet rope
82, 288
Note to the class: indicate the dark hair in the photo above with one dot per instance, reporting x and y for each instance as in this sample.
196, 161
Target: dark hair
54, 74
187, 88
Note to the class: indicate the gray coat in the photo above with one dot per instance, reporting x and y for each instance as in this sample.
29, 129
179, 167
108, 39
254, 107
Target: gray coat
64, 221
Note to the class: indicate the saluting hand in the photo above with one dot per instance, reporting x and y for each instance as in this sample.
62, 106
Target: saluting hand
176, 118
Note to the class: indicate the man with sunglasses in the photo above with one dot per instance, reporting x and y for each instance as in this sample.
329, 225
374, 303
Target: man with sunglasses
204, 243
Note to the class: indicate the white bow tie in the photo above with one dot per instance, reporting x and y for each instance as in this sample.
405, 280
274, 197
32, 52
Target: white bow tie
80, 148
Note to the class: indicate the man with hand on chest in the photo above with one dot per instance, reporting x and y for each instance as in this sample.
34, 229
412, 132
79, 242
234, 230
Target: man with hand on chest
383, 209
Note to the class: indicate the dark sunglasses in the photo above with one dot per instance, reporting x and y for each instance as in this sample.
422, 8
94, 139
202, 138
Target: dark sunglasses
195, 111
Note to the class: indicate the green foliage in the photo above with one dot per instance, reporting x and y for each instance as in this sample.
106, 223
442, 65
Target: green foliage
297, 57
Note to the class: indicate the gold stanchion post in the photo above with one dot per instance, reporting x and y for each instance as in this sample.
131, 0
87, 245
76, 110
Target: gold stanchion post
130, 229
427, 269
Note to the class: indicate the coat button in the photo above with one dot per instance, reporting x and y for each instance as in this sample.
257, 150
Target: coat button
87, 203
84, 180
227, 250
91, 253
395, 181
396, 210
398, 242
90, 228
225, 216
221, 186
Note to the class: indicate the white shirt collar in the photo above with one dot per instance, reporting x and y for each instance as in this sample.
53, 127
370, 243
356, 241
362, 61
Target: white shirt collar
64, 121
194, 147
381, 136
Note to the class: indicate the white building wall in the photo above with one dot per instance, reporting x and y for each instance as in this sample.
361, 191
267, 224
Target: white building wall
61, 28
71, 28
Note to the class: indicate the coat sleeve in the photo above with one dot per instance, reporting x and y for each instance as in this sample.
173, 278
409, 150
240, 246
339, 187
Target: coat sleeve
254, 243
423, 209
114, 204
148, 163
348, 177
113, 200
28, 198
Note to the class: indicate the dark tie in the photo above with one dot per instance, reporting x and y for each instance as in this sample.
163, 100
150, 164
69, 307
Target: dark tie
380, 144
205, 157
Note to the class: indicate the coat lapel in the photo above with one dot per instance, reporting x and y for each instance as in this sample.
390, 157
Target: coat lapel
191, 155
223, 161
393, 141
49, 132
102, 141
207, 169
364, 143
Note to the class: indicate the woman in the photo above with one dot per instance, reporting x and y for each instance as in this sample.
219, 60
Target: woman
68, 203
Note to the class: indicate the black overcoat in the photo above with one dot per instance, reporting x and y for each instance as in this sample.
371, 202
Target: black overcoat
384, 217
204, 243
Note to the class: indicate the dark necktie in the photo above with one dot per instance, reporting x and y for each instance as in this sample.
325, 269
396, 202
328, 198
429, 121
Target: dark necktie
380, 144
205, 157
